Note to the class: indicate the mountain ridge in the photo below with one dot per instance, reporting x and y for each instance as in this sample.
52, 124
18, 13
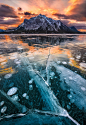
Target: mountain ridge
42, 24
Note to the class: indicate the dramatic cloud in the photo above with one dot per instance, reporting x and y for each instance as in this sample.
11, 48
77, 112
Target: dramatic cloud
9, 21
7, 11
61, 16
19, 9
77, 10
27, 13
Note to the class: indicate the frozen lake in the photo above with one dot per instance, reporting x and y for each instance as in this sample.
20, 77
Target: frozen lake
43, 79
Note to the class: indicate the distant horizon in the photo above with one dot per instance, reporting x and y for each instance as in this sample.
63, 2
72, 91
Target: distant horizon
70, 12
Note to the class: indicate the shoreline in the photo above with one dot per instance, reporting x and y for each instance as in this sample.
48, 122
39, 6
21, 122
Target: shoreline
42, 34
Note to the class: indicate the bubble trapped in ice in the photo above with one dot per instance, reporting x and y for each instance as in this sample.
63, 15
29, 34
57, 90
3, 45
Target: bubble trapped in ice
15, 97
12, 91
7, 76
1, 103
3, 109
24, 95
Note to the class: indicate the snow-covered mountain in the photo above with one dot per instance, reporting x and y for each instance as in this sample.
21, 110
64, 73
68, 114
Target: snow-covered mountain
43, 24
74, 29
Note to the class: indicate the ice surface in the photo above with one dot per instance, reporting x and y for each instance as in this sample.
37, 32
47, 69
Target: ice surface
36, 118
12, 91
46, 93
76, 83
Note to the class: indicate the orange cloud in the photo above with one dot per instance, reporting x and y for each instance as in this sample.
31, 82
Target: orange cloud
76, 10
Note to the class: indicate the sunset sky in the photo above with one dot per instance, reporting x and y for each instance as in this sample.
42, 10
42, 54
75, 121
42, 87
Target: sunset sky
70, 12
